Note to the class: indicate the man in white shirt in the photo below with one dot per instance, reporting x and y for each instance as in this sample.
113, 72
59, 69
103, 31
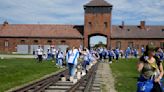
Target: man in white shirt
53, 53
40, 53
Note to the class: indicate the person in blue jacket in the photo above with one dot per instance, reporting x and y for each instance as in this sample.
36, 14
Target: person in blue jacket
117, 53
60, 58
135, 53
110, 55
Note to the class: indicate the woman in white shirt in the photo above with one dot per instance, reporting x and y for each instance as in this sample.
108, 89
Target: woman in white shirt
72, 60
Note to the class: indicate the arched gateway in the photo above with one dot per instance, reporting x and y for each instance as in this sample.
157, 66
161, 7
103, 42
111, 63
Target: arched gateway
97, 20
96, 38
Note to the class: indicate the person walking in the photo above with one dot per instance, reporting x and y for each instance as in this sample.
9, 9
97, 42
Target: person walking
117, 53
39, 53
60, 58
135, 53
48, 54
53, 53
72, 56
110, 55
151, 71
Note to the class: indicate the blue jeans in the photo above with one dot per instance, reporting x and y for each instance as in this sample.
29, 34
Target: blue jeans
117, 56
48, 56
71, 68
126, 56
85, 63
60, 62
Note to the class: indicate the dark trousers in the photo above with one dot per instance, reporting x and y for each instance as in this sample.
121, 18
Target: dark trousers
53, 57
156, 88
117, 56
100, 56
104, 56
110, 58
40, 58
85, 63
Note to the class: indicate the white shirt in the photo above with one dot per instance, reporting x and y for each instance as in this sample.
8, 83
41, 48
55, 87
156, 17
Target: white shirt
60, 55
40, 51
53, 51
86, 56
73, 56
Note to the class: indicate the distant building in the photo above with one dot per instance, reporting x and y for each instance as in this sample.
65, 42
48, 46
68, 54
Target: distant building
24, 38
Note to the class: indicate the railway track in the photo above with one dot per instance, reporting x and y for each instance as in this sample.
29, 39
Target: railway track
87, 83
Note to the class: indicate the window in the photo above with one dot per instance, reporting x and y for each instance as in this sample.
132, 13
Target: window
22, 41
137, 46
63, 41
151, 43
90, 26
162, 30
130, 44
118, 44
49, 41
162, 45
6, 43
105, 26
35, 41
142, 46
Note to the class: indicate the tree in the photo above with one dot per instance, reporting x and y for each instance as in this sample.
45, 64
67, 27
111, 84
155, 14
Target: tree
100, 44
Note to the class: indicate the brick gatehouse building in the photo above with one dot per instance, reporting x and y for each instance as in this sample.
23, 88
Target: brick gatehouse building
24, 38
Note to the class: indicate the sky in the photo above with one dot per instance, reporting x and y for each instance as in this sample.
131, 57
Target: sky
94, 40
72, 12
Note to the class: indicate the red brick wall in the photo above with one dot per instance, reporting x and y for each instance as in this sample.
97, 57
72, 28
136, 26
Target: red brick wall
97, 21
139, 42
13, 42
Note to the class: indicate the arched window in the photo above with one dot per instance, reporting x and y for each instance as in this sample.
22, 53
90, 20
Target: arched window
130, 44
22, 41
6, 43
49, 41
63, 41
118, 44
36, 41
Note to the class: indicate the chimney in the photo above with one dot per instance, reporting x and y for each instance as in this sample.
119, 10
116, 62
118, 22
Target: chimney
5, 23
122, 25
142, 25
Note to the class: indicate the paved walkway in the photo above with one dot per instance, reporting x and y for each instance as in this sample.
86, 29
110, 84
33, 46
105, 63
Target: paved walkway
107, 80
16, 56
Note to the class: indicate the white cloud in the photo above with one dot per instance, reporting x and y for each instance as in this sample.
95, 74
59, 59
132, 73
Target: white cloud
71, 11
134, 10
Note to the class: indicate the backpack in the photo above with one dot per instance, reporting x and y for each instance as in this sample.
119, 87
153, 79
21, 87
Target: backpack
145, 86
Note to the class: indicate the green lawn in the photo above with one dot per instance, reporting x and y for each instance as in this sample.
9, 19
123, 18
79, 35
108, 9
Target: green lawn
125, 74
15, 72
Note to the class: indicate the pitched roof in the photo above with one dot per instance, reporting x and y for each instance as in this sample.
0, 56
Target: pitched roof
98, 3
137, 32
40, 30
76, 31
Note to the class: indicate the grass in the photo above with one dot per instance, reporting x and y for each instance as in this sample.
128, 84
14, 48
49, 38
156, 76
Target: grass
125, 74
15, 72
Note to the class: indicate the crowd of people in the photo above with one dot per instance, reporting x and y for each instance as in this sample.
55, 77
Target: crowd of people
59, 56
71, 57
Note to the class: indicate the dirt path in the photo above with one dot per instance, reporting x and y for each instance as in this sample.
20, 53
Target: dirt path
107, 80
